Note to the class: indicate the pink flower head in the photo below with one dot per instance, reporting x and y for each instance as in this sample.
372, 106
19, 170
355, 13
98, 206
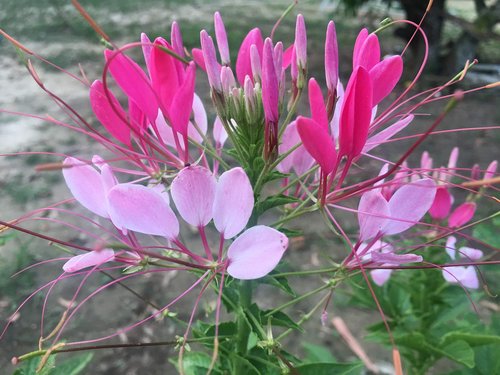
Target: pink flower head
199, 198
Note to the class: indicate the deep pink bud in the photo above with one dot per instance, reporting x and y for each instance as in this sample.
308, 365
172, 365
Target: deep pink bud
270, 90
491, 170
301, 42
221, 36
278, 59
176, 39
331, 58
356, 114
462, 214
211, 64
442, 204
475, 172
227, 79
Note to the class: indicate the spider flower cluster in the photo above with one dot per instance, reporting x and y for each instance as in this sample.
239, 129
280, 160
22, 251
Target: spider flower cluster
173, 168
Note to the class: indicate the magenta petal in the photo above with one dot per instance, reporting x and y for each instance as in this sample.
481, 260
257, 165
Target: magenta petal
141, 209
193, 191
85, 183
270, 89
109, 112
462, 215
385, 75
381, 276
442, 203
369, 54
373, 211
256, 252
243, 64
318, 143
182, 102
233, 203
198, 58
317, 104
90, 259
133, 81
409, 204
164, 75
360, 40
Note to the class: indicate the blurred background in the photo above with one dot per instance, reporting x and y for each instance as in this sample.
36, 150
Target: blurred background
457, 29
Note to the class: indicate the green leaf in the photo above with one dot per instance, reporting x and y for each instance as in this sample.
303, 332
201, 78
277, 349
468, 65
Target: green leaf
461, 352
196, 363
274, 201
291, 232
253, 339
317, 353
330, 368
279, 318
73, 366
29, 367
470, 338
281, 283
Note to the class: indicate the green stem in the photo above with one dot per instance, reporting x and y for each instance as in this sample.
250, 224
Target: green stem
243, 328
305, 273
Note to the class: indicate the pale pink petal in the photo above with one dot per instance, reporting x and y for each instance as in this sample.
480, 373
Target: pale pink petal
193, 192
256, 252
109, 112
198, 58
385, 75
450, 247
470, 253
442, 204
233, 203
381, 276
409, 204
219, 132
462, 215
85, 183
463, 275
90, 259
141, 209
373, 211
387, 133
200, 118
301, 42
